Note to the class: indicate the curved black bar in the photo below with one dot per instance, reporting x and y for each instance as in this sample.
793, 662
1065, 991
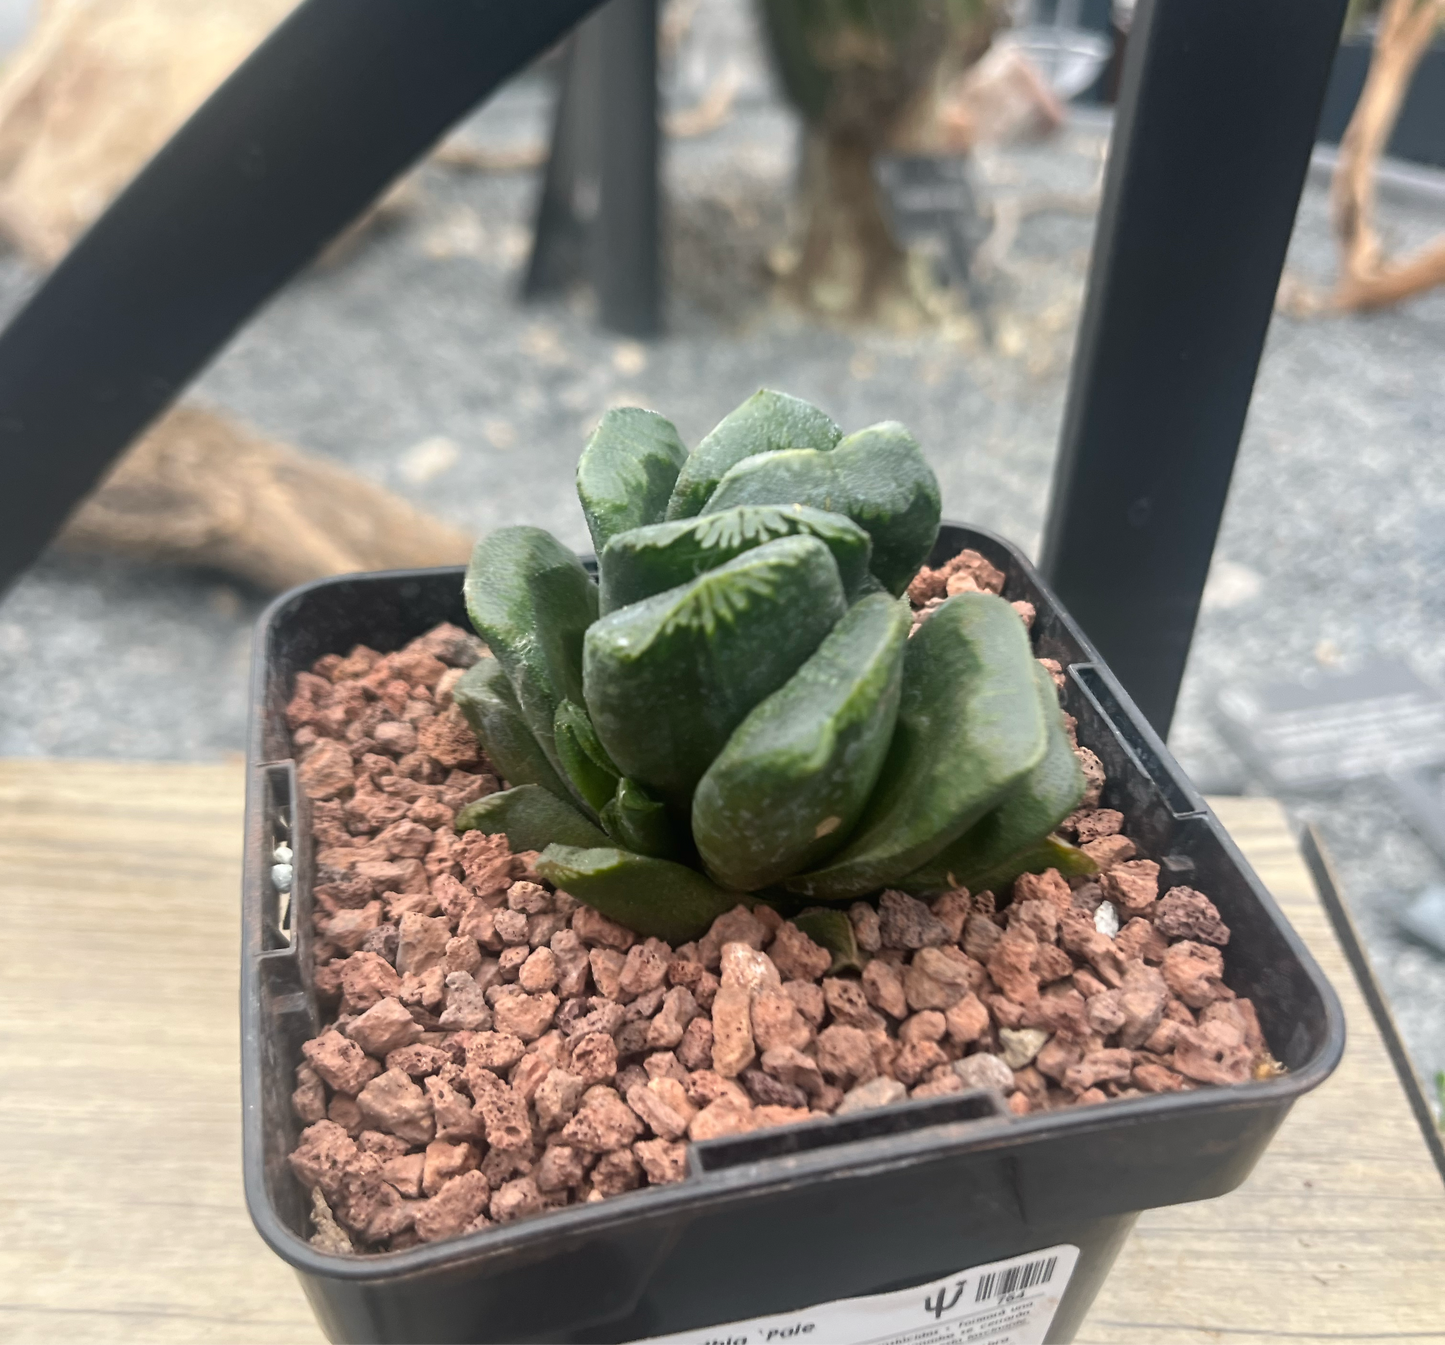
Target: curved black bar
338, 101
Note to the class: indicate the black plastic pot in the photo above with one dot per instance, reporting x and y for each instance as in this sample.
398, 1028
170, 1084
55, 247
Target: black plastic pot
807, 1214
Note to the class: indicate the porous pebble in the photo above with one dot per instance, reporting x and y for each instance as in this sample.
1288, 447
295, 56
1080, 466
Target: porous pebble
493, 1049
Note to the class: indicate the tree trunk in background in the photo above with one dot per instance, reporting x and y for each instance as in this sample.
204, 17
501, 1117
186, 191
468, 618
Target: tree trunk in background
848, 263
863, 77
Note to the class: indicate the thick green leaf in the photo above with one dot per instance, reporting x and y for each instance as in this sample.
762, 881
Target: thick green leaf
626, 473
1053, 852
532, 602
766, 422
877, 477
647, 561
588, 767
637, 821
484, 695
970, 728
652, 897
787, 790
831, 929
1015, 828
531, 818
669, 679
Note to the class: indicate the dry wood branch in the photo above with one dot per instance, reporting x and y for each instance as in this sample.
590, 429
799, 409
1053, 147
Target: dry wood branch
201, 490
710, 111
1390, 284
1367, 278
674, 26
95, 90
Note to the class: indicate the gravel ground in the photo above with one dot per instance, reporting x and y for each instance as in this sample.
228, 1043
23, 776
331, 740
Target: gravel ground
411, 361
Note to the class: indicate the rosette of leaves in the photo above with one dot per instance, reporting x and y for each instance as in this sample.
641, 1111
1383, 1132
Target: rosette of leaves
733, 709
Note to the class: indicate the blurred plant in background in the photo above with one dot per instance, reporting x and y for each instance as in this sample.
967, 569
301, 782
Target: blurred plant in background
864, 75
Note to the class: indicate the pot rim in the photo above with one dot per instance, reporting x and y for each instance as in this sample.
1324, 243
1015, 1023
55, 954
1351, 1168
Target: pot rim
526, 1238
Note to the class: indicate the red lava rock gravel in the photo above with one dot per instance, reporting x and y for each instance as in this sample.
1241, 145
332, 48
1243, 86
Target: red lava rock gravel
495, 1050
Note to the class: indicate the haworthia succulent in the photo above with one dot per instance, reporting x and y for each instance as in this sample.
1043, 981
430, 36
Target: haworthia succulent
531, 818
970, 728
530, 599
626, 473
766, 422
584, 760
637, 821
877, 477
788, 788
869, 585
730, 710
652, 897
669, 679
484, 695
1049, 793
646, 561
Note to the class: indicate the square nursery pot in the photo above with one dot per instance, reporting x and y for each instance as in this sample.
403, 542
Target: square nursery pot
903, 1202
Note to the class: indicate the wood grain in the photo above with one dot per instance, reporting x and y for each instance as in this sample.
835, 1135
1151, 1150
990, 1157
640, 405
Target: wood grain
120, 1172
1339, 1233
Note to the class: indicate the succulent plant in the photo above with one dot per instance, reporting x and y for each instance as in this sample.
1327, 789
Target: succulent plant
735, 709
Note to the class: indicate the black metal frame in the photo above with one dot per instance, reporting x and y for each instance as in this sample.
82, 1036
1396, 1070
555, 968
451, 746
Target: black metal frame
342, 98
598, 216
1212, 138
1216, 118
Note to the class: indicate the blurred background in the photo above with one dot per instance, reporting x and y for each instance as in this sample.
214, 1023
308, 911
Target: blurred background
889, 216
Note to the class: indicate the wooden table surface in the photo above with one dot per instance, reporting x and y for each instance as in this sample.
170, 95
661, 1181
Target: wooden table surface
120, 1166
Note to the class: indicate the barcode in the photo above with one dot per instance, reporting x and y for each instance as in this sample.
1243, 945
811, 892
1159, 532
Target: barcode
1014, 1280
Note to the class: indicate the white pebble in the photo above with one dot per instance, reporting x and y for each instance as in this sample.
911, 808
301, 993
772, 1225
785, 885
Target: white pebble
281, 877
1021, 1046
878, 1092
1106, 919
983, 1069
282, 853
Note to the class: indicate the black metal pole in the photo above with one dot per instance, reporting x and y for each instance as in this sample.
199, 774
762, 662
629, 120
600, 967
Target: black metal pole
571, 182
1212, 138
338, 101
627, 263
598, 213
1332, 897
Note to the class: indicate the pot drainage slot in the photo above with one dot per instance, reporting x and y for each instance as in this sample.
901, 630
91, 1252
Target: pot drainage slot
810, 1136
278, 860
1138, 740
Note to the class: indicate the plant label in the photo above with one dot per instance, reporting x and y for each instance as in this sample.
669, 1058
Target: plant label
1009, 1302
